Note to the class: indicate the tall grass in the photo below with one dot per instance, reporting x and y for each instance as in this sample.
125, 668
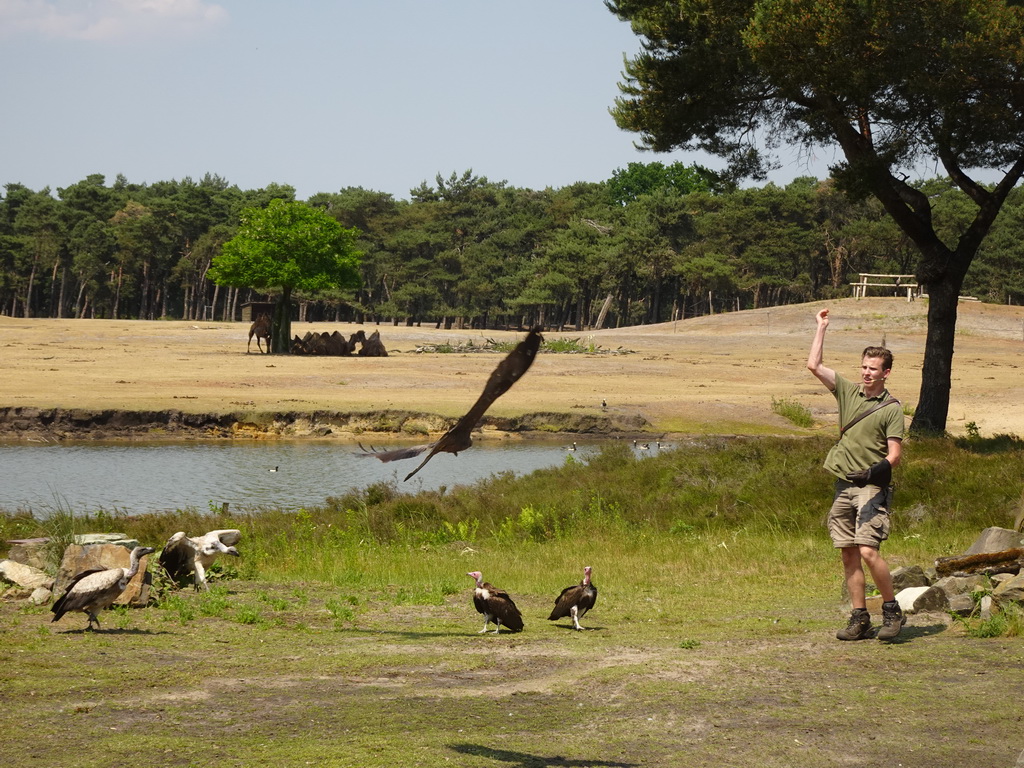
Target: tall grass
61, 527
795, 412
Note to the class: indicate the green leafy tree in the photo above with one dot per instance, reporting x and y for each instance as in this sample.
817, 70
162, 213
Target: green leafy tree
892, 84
288, 246
636, 179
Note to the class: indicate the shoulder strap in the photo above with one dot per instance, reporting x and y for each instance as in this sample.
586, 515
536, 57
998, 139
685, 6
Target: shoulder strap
868, 412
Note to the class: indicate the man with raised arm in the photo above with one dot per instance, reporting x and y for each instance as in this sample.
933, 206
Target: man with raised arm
870, 445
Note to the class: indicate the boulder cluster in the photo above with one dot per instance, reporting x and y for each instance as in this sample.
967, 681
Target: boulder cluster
23, 574
987, 577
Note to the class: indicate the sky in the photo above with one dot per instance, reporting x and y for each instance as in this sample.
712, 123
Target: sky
318, 94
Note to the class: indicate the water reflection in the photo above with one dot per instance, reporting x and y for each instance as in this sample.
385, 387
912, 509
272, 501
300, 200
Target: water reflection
148, 477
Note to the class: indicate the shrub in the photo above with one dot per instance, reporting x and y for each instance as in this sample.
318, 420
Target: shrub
793, 411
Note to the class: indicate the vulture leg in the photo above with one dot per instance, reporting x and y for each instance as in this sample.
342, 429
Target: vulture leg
575, 618
200, 575
487, 620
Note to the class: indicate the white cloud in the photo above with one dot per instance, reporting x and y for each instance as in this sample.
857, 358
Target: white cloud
108, 20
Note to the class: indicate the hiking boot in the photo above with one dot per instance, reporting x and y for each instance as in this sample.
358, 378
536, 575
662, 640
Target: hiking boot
892, 621
859, 626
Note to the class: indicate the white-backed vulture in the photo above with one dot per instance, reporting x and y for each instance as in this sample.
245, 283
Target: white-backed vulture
97, 588
459, 437
495, 605
184, 554
575, 600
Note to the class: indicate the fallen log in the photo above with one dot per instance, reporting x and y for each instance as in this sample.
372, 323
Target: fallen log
987, 563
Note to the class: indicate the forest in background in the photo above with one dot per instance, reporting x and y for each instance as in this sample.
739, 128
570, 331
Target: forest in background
654, 243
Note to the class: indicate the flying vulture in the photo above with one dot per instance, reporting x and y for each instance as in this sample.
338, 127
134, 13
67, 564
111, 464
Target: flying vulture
575, 600
96, 588
183, 554
495, 605
459, 437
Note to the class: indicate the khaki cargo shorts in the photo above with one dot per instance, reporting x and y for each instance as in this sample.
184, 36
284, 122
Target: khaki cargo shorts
859, 516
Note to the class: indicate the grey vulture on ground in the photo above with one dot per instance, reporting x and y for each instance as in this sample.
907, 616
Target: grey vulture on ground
97, 588
184, 555
575, 600
495, 605
459, 437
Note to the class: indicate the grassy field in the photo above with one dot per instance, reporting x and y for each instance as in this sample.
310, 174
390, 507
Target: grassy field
345, 635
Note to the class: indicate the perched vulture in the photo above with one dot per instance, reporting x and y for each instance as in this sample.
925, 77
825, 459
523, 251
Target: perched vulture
575, 600
183, 554
95, 589
495, 605
459, 437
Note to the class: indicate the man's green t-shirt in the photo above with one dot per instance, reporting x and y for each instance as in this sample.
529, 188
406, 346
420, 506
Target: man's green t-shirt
866, 442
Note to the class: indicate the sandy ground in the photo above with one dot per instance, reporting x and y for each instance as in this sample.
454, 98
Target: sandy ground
711, 374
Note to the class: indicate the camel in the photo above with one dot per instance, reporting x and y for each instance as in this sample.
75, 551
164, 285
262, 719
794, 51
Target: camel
260, 328
336, 344
360, 337
333, 344
373, 346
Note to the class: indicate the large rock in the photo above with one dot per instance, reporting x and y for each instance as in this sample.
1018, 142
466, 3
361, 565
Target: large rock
922, 599
1011, 591
962, 605
79, 558
28, 552
909, 576
120, 539
24, 575
961, 585
996, 540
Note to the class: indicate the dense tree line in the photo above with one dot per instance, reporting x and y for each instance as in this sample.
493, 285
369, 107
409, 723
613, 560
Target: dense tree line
651, 244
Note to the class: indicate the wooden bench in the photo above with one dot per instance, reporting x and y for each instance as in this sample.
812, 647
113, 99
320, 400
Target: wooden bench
892, 282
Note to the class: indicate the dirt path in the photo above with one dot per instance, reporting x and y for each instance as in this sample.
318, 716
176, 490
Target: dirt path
709, 374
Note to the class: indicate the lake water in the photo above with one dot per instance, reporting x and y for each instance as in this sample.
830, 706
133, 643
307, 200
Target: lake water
135, 478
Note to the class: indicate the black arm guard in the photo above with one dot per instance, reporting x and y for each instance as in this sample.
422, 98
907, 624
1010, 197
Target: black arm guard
879, 474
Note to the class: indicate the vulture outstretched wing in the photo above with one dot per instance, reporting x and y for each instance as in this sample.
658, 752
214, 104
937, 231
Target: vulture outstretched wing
459, 437
177, 556
228, 536
181, 551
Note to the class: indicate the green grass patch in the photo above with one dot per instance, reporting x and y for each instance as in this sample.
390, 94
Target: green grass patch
793, 411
